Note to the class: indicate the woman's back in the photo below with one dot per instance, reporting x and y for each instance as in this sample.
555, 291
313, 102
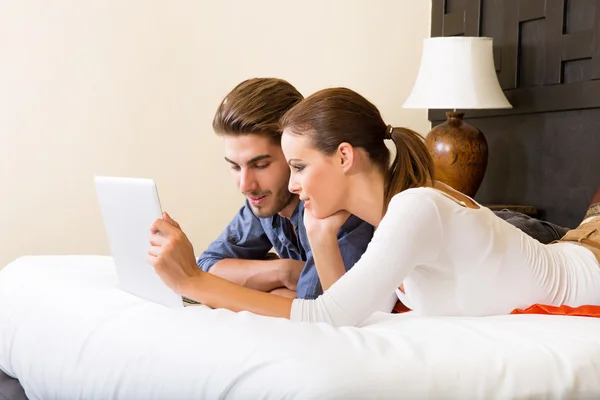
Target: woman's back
487, 266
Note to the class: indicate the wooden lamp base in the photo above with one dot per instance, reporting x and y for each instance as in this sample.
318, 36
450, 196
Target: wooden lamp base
459, 152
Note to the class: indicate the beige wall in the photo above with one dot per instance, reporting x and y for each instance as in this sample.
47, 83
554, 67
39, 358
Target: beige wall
129, 88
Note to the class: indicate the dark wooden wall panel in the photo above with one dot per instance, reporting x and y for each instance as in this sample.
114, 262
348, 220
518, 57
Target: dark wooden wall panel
580, 15
455, 18
537, 44
544, 152
548, 160
532, 63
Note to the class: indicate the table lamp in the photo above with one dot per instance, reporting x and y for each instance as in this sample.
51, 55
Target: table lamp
457, 73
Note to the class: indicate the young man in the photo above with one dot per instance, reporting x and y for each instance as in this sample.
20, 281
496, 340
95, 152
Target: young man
272, 217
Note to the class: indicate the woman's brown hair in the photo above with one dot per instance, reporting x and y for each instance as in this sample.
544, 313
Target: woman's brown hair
337, 115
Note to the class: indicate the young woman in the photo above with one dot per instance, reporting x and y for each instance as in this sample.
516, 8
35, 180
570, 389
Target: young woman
438, 250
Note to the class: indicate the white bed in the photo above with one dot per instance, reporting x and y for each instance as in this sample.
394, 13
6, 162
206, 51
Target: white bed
67, 331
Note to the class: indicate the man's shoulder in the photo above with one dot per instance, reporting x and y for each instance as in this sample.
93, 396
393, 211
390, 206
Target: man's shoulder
355, 224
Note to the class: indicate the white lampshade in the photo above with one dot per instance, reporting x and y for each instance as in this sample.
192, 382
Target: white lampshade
457, 72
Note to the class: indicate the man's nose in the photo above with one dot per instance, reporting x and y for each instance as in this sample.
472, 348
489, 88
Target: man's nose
247, 181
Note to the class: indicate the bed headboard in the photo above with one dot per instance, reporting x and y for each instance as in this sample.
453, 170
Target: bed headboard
545, 152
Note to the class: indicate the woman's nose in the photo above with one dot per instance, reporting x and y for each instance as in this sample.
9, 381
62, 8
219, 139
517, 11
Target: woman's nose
294, 186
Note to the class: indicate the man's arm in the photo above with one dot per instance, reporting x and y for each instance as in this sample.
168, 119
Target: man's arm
239, 253
284, 292
263, 275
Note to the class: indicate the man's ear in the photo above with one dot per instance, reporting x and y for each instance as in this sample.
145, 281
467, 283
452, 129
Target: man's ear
345, 153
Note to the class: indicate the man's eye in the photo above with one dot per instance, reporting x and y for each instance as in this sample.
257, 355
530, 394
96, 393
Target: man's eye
262, 166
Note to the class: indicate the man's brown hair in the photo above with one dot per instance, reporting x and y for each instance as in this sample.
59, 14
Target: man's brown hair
255, 106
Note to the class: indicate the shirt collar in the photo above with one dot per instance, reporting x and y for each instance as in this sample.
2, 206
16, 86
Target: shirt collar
297, 214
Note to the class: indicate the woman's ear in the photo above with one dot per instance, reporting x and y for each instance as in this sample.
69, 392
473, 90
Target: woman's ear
346, 155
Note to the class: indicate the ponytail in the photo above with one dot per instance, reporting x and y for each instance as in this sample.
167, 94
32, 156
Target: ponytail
336, 115
412, 166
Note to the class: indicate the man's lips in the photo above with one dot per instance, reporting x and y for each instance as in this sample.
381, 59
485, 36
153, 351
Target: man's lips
256, 200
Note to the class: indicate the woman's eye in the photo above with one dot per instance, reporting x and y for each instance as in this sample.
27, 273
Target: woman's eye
298, 167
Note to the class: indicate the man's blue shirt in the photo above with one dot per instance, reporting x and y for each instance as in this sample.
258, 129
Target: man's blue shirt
250, 237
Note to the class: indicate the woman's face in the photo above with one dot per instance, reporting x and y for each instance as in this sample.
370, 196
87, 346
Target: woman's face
318, 179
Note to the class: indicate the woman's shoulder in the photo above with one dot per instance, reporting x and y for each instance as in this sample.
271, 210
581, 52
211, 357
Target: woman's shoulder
419, 204
424, 197
437, 196
420, 197
415, 194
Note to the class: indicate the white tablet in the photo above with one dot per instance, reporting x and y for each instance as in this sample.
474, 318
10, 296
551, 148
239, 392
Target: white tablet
129, 206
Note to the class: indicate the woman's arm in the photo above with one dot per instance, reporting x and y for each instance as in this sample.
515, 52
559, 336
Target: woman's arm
217, 292
325, 249
409, 235
328, 260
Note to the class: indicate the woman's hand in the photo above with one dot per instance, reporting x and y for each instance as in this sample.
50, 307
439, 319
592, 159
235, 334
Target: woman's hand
171, 253
322, 235
318, 228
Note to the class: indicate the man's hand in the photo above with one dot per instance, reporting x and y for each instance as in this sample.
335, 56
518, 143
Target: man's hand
171, 253
284, 292
290, 272
318, 228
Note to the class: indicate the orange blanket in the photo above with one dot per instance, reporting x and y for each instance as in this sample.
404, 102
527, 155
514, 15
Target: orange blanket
581, 311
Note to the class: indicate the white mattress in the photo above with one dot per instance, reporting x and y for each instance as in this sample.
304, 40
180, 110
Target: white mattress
67, 331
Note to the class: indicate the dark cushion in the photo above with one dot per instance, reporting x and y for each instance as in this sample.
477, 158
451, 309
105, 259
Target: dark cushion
10, 389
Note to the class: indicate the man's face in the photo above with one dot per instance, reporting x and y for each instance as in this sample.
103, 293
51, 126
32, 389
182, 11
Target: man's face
260, 171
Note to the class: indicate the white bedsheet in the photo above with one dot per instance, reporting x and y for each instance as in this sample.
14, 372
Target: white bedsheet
67, 331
